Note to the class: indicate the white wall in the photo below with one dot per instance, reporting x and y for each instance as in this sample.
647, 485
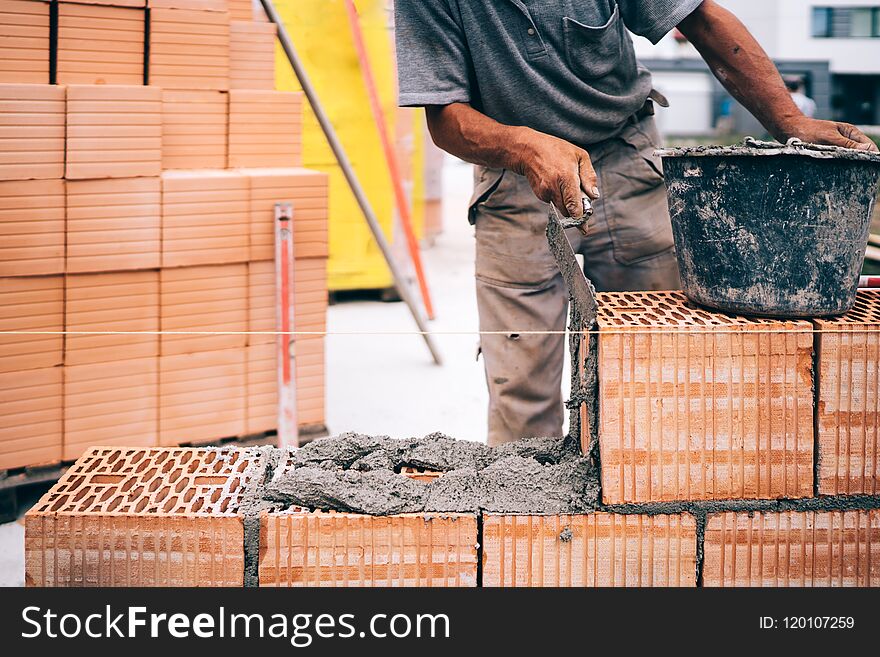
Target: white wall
795, 39
690, 103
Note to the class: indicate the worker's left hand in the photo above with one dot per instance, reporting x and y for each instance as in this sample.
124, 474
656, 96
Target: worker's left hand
832, 133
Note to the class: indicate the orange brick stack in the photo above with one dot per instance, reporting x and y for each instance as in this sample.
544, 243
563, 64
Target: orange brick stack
697, 406
124, 207
188, 508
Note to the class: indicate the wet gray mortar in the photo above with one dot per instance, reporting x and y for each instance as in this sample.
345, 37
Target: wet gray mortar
348, 465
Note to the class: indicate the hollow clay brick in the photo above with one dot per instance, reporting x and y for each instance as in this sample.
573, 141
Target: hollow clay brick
202, 396
205, 218
793, 548
189, 49
111, 404
31, 131
241, 10
24, 42
194, 5
251, 55
699, 405
265, 128
307, 191
342, 549
309, 300
141, 517
31, 304
262, 385
98, 44
209, 298
31, 227
599, 549
113, 224
113, 131
849, 399
30, 417
194, 126
126, 301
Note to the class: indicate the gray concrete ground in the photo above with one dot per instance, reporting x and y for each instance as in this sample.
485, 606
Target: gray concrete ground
386, 384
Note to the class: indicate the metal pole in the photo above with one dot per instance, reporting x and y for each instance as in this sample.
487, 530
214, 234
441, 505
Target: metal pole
350, 176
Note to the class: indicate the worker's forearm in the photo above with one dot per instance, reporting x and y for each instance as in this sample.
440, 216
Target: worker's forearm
558, 172
741, 65
472, 136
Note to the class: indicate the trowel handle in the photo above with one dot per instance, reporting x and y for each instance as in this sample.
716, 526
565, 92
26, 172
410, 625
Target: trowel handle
578, 222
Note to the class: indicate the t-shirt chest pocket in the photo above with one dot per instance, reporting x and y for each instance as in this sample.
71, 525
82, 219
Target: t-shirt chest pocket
594, 52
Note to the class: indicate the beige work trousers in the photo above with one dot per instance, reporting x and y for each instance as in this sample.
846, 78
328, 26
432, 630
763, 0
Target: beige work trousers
628, 247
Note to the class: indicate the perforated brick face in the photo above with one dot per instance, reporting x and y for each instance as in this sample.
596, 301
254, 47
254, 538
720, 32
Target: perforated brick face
343, 549
600, 549
699, 405
792, 548
849, 399
141, 517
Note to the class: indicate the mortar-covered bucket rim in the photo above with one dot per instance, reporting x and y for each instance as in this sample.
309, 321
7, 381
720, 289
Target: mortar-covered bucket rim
752, 147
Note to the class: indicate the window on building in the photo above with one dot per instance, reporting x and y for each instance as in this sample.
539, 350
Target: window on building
821, 22
846, 22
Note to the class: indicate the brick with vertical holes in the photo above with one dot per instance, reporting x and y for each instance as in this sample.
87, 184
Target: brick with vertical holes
142, 517
793, 548
599, 549
699, 405
303, 549
849, 399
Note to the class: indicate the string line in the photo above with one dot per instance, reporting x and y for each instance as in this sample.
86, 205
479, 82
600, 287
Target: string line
646, 330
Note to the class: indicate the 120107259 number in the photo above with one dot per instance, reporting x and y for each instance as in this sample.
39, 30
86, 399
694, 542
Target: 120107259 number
819, 622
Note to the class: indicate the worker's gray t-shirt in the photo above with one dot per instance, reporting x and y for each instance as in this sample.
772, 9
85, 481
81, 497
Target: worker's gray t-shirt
564, 67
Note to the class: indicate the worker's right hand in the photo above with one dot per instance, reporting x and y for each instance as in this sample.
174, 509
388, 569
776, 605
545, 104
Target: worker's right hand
558, 172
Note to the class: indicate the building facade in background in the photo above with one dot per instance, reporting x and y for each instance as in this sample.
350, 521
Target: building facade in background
833, 45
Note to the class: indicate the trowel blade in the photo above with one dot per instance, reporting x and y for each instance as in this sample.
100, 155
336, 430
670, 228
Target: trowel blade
580, 289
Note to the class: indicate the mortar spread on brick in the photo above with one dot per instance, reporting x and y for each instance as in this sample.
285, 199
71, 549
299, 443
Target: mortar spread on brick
363, 474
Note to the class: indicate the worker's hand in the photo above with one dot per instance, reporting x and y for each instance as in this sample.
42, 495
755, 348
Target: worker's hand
558, 172
831, 133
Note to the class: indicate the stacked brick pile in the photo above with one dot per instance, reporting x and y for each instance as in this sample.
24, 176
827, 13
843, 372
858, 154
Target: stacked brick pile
142, 150
765, 432
187, 517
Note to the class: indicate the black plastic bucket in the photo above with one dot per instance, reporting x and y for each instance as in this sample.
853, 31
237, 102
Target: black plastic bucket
771, 230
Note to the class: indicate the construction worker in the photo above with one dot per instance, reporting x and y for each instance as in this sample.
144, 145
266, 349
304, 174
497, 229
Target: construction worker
547, 99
